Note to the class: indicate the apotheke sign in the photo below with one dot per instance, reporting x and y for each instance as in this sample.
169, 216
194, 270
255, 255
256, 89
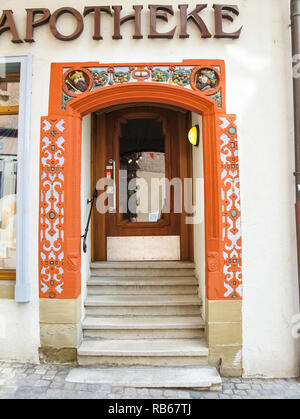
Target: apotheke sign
42, 16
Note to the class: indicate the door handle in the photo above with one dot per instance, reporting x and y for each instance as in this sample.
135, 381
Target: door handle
114, 204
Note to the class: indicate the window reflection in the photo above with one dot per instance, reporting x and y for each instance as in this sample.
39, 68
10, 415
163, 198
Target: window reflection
143, 171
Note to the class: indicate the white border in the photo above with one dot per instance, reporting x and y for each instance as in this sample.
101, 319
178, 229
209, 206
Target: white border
22, 287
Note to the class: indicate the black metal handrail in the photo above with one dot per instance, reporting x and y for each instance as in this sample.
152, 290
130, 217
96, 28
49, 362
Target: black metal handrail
91, 201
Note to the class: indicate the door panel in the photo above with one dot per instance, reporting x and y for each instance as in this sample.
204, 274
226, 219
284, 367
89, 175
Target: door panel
120, 224
146, 144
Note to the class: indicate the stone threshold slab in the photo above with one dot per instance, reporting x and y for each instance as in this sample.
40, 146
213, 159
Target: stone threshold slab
196, 377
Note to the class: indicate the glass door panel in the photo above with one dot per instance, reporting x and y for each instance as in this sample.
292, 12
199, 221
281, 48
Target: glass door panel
142, 171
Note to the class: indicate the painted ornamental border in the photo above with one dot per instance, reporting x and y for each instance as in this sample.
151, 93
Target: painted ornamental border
77, 89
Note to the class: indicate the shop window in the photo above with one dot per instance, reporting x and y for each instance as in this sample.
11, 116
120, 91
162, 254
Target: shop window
9, 117
15, 118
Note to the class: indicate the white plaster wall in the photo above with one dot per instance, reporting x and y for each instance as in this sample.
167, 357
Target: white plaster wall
85, 208
19, 329
199, 226
258, 69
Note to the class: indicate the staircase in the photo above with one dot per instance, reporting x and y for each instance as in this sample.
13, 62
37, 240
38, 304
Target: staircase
143, 313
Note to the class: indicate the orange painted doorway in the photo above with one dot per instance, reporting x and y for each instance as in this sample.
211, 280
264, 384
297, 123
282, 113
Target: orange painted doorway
60, 232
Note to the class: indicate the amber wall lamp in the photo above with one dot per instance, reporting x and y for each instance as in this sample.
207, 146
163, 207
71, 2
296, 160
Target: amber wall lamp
194, 135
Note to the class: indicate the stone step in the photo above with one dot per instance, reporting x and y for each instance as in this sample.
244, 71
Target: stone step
157, 352
131, 334
144, 265
142, 322
141, 289
143, 313
154, 347
142, 300
120, 310
142, 269
143, 327
204, 378
144, 280
138, 272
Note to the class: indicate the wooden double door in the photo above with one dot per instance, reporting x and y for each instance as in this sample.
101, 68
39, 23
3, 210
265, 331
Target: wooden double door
142, 156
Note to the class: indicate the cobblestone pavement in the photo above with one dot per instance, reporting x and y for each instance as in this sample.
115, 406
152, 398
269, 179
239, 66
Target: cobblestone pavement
28, 381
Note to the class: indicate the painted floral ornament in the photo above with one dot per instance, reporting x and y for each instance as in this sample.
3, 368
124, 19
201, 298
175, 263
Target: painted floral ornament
160, 75
100, 78
181, 77
121, 77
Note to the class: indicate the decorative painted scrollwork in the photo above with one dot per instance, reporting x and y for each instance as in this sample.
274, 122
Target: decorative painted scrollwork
52, 208
230, 207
